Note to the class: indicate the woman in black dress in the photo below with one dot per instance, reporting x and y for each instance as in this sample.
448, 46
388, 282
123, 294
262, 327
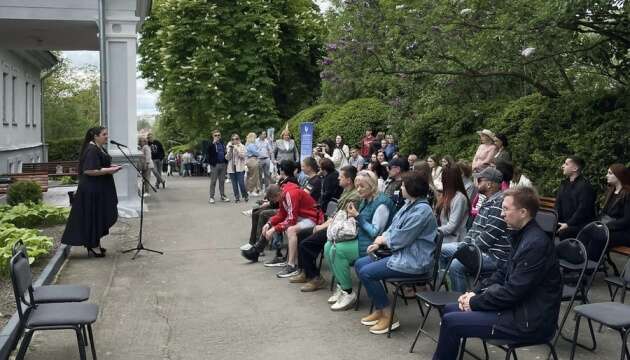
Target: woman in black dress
94, 208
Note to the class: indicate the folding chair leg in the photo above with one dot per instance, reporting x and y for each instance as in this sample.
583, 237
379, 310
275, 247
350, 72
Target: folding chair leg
575, 336
485, 350
552, 351
332, 282
85, 337
421, 327
462, 349
624, 344
356, 304
508, 354
28, 335
92, 346
81, 343
391, 316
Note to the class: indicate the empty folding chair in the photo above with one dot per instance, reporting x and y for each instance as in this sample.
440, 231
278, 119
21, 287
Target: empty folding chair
611, 314
615, 283
594, 237
53, 316
468, 255
54, 293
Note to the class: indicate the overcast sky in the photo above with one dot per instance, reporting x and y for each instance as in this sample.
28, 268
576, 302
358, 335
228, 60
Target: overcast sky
146, 99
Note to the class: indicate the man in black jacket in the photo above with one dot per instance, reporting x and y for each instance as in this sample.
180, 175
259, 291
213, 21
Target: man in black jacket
157, 155
575, 201
521, 300
218, 166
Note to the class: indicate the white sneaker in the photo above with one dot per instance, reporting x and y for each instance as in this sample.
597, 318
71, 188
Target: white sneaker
246, 247
335, 296
345, 301
247, 212
146, 195
254, 194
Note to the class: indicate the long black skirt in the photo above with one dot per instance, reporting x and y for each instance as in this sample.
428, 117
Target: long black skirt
94, 211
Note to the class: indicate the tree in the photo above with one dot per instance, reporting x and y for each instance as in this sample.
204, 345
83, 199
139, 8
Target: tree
238, 66
71, 101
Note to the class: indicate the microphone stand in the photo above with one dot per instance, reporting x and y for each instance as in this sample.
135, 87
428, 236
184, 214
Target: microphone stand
139, 246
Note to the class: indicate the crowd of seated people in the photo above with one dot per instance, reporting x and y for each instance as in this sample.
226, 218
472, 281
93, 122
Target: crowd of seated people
401, 203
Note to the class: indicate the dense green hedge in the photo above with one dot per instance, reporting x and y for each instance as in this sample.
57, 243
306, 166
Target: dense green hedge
353, 118
64, 150
541, 132
312, 114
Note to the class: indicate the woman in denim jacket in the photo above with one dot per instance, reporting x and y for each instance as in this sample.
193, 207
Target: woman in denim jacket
411, 237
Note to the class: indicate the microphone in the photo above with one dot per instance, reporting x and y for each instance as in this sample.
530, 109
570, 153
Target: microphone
117, 143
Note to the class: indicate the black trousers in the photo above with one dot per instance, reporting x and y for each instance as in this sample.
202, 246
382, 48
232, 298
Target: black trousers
309, 249
260, 216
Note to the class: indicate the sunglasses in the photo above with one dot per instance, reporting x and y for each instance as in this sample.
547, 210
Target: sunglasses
216, 135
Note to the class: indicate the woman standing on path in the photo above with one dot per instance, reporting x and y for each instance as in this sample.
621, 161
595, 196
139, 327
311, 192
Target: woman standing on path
146, 163
253, 177
486, 150
236, 167
285, 148
94, 209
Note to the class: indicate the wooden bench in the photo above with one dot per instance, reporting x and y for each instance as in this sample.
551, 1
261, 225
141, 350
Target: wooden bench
547, 203
68, 168
40, 178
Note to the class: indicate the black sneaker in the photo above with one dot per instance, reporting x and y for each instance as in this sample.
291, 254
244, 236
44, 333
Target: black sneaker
288, 271
276, 262
250, 254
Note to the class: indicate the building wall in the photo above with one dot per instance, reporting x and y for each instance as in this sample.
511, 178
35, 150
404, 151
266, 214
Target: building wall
20, 113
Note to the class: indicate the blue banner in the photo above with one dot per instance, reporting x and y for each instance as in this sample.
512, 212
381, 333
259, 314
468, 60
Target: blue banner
306, 139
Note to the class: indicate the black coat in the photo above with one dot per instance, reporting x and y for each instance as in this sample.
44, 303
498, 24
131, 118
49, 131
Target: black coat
527, 289
157, 150
213, 159
575, 202
330, 189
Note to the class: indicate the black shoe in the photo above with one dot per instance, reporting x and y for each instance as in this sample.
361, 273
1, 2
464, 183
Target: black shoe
91, 252
250, 254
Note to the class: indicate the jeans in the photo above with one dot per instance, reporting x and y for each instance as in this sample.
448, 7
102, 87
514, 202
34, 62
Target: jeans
457, 324
157, 170
218, 172
238, 182
457, 273
265, 171
371, 272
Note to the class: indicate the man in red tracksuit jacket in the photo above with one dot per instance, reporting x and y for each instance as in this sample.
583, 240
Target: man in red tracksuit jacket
298, 211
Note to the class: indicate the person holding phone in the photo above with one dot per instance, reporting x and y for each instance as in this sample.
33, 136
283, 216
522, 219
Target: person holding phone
95, 205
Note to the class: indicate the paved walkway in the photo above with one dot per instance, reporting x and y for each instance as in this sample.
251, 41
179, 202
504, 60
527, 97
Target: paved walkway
201, 300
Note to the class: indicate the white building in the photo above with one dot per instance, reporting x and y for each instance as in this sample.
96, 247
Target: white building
110, 26
21, 139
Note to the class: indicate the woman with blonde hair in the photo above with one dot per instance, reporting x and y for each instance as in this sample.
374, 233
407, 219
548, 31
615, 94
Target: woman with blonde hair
372, 218
285, 148
253, 177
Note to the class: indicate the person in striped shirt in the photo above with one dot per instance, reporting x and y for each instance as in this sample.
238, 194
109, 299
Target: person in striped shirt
488, 231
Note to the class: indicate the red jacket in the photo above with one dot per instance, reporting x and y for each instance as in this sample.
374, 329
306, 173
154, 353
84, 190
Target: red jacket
295, 204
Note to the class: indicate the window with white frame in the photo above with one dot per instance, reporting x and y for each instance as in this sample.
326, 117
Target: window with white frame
33, 104
27, 108
5, 101
13, 85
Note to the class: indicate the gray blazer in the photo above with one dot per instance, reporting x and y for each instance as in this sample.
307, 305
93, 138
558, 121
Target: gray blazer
454, 226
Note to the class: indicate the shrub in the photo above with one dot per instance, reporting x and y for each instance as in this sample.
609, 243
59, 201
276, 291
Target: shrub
33, 215
353, 118
65, 149
68, 180
312, 114
24, 192
36, 244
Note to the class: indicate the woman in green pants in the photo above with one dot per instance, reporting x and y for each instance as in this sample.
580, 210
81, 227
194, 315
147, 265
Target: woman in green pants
373, 217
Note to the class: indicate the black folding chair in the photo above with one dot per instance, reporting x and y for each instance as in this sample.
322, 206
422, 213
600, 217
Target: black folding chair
53, 293
52, 316
573, 258
614, 283
422, 280
594, 237
548, 221
611, 314
469, 255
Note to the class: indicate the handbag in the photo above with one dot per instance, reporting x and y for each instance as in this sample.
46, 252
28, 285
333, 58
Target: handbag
342, 228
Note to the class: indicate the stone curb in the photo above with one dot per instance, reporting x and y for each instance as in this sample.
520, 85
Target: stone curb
9, 334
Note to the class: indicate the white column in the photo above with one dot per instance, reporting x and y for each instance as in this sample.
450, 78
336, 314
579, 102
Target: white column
120, 38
